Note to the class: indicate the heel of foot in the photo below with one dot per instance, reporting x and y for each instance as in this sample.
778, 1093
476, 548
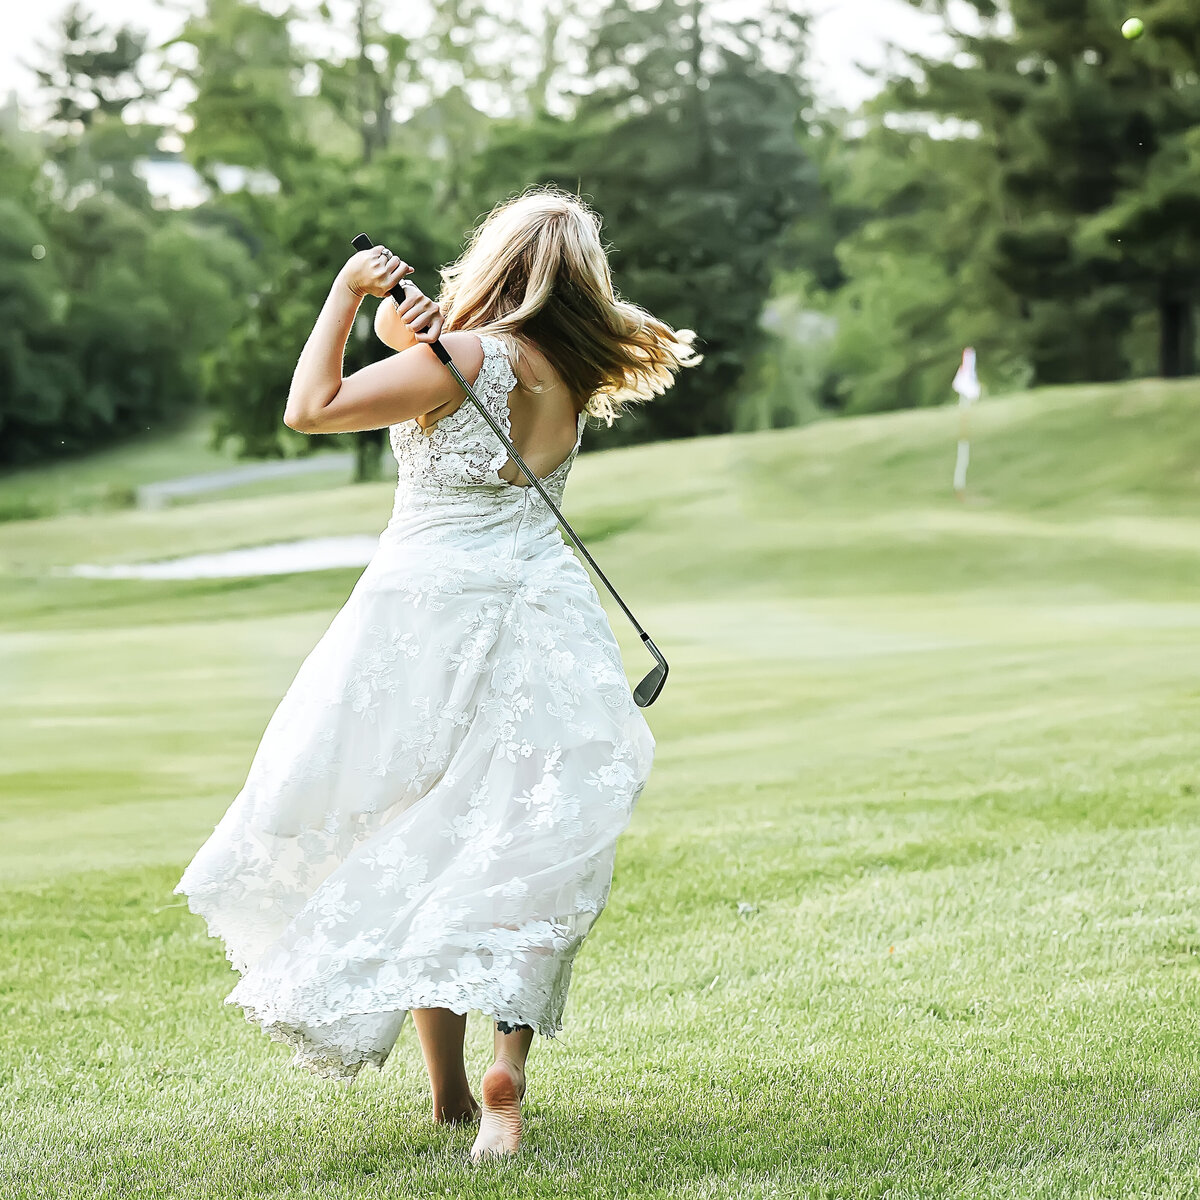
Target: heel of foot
501, 1086
500, 1124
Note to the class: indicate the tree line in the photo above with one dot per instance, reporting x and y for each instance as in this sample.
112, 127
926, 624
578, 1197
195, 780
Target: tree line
1035, 196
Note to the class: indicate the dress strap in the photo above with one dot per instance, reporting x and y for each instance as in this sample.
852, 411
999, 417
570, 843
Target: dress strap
496, 380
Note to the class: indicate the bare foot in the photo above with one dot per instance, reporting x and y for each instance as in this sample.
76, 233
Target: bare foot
500, 1123
457, 1112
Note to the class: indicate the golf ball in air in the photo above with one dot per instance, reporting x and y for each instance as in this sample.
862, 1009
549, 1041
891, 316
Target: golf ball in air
1133, 29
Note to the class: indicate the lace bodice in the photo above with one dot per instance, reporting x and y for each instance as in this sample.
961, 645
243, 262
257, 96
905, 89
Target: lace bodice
448, 487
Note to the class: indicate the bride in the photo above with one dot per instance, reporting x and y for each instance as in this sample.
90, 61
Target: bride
430, 820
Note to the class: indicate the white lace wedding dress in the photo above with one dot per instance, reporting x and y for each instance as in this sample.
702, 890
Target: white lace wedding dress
431, 816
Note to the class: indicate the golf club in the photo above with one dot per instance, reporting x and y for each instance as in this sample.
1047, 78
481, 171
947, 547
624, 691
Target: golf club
647, 691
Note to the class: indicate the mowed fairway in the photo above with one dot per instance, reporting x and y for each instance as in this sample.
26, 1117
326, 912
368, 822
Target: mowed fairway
911, 905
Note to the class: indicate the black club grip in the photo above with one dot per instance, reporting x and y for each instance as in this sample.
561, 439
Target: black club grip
363, 242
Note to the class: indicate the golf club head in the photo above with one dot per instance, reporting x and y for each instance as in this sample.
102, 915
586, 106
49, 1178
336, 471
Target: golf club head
647, 691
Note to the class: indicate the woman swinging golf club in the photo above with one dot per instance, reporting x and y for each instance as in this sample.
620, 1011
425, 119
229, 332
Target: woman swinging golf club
429, 823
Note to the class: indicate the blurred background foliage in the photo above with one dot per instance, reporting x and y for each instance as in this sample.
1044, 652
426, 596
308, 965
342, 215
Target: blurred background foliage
1035, 195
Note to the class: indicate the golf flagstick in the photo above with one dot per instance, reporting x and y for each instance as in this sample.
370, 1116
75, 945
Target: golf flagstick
966, 384
647, 691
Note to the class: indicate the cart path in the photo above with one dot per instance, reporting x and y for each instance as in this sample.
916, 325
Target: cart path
159, 495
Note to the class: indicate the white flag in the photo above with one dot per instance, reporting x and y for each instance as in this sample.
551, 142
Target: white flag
966, 382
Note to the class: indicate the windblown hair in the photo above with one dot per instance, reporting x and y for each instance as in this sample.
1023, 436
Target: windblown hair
536, 268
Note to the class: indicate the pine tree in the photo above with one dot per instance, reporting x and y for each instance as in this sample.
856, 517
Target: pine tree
1095, 192
92, 80
692, 146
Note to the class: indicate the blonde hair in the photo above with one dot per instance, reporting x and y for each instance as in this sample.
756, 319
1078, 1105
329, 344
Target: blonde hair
536, 267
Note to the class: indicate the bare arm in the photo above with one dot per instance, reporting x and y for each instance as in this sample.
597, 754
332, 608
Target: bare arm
397, 389
405, 386
390, 327
318, 374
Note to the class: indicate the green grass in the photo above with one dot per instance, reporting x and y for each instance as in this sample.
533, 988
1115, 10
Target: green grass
946, 752
107, 481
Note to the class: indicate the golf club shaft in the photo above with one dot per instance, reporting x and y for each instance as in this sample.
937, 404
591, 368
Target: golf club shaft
445, 357
362, 242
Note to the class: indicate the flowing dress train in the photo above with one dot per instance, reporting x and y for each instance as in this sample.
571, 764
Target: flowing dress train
430, 818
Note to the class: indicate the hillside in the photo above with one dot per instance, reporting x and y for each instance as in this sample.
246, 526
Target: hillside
1060, 482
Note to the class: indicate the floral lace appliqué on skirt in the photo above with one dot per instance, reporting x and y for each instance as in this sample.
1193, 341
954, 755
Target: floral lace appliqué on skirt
431, 816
